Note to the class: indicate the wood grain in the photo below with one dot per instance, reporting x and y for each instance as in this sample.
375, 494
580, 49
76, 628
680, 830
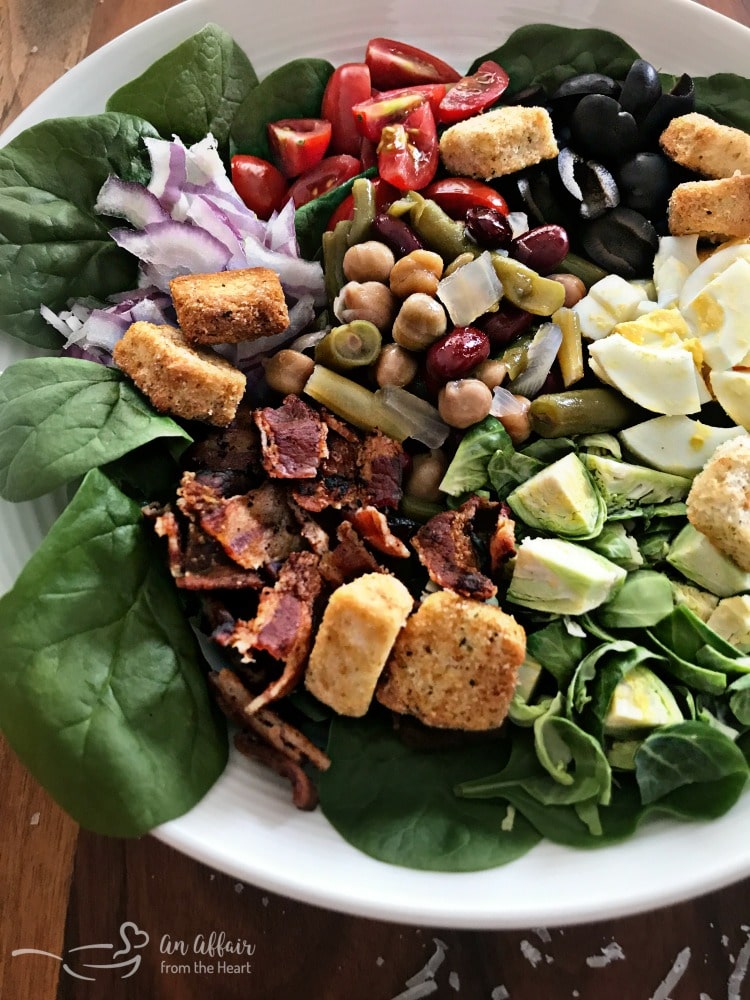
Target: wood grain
61, 890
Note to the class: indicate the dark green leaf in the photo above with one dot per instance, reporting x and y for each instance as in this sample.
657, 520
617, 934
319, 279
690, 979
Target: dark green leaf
101, 692
311, 219
724, 97
643, 600
60, 417
557, 650
193, 90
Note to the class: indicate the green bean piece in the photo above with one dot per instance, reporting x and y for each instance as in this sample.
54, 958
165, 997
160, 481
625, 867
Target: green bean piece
354, 403
352, 345
435, 227
586, 270
363, 193
527, 289
335, 245
419, 510
570, 355
581, 411
516, 355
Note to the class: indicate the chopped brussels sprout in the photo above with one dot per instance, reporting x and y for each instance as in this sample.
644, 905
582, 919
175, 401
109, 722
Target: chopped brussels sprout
731, 620
561, 500
696, 558
641, 701
626, 486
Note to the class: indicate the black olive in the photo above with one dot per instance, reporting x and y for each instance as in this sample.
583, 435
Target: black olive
645, 183
603, 131
623, 242
679, 101
532, 97
586, 83
641, 88
545, 198
591, 184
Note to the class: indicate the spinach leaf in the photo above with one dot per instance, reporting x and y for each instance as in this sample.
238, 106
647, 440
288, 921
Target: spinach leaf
575, 761
192, 90
557, 650
724, 97
467, 472
60, 417
397, 804
643, 600
53, 247
311, 219
294, 90
548, 54
101, 692
614, 543
739, 699
690, 769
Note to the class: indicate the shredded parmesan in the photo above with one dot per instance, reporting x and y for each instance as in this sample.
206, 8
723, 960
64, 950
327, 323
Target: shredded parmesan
500, 993
433, 964
530, 953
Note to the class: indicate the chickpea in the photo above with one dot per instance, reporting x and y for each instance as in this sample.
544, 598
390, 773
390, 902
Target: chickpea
370, 300
464, 402
370, 261
574, 288
463, 258
491, 372
418, 271
395, 366
421, 321
427, 471
518, 424
288, 371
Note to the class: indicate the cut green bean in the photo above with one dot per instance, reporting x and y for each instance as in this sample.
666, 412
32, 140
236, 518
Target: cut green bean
527, 289
419, 510
435, 227
363, 194
588, 272
354, 403
335, 245
352, 345
581, 411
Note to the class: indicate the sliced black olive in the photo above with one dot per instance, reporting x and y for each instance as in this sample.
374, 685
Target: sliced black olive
679, 101
601, 130
586, 83
623, 242
645, 183
546, 199
589, 182
641, 88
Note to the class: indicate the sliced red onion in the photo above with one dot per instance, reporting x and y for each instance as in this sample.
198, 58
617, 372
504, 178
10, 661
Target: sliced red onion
168, 172
130, 201
95, 354
281, 234
427, 426
542, 353
173, 248
298, 276
102, 329
470, 291
207, 216
301, 314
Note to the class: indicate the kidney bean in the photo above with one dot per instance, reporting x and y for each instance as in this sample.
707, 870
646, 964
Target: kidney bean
505, 324
488, 227
396, 234
457, 353
542, 248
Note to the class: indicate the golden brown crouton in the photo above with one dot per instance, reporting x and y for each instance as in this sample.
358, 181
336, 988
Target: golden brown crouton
716, 210
230, 306
718, 504
177, 378
455, 664
498, 142
359, 627
703, 145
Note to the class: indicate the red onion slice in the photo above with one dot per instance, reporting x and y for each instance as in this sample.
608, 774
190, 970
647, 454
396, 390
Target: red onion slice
130, 201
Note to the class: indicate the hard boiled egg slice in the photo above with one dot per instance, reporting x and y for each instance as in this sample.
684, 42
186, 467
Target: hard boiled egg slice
609, 301
676, 444
720, 316
732, 391
661, 379
675, 260
710, 268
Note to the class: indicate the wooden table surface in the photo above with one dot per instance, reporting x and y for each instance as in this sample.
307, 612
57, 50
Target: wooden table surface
62, 888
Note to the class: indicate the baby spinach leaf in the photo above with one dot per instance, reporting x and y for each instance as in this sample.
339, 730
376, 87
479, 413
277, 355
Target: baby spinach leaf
311, 219
294, 90
101, 690
548, 54
724, 97
557, 650
575, 761
60, 417
192, 90
53, 247
397, 804
739, 699
643, 600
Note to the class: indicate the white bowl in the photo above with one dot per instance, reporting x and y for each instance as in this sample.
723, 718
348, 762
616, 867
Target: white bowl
246, 825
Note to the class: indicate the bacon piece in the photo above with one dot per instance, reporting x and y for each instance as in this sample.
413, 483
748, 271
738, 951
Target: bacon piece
166, 526
445, 548
254, 528
381, 461
337, 484
236, 446
372, 526
503, 539
349, 559
292, 439
340, 426
304, 792
310, 530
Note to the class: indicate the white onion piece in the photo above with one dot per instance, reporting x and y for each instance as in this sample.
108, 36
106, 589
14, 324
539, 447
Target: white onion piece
505, 404
300, 315
130, 201
471, 290
308, 340
60, 322
542, 352
427, 426
173, 248
519, 223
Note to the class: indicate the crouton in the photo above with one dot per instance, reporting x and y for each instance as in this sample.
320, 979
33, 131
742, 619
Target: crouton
716, 210
359, 627
498, 142
718, 504
703, 145
230, 306
179, 379
455, 664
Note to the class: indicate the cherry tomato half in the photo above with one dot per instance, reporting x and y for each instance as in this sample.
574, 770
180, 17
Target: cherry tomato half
394, 105
329, 173
385, 195
396, 64
456, 195
474, 93
298, 143
348, 85
260, 185
408, 151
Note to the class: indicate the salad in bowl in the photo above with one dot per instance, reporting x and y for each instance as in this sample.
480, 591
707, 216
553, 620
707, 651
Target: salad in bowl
402, 413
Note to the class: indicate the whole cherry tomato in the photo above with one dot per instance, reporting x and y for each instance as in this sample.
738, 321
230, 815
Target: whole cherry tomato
329, 173
260, 185
408, 152
456, 195
396, 64
473, 94
298, 143
348, 85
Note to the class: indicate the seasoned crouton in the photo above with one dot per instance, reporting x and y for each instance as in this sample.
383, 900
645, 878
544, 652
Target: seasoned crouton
455, 664
177, 378
498, 142
703, 145
716, 210
359, 627
718, 504
230, 306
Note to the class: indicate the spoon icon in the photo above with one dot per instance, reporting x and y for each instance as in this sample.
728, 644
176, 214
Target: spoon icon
132, 940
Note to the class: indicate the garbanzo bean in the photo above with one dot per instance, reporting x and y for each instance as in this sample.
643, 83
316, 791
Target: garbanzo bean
574, 288
518, 424
421, 321
369, 261
370, 300
427, 471
418, 271
288, 371
395, 366
492, 372
464, 402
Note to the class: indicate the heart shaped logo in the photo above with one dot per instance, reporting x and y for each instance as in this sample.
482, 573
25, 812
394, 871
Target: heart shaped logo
132, 938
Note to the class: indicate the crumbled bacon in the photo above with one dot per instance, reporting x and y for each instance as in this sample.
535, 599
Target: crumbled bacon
372, 526
336, 485
234, 447
293, 439
304, 792
446, 550
381, 462
349, 559
503, 539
